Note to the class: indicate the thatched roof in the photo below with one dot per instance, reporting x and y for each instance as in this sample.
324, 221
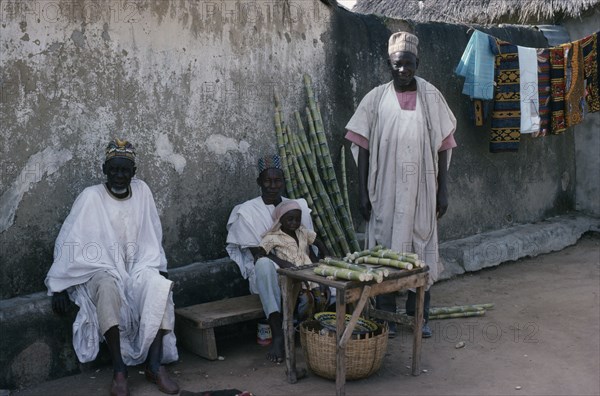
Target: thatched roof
477, 11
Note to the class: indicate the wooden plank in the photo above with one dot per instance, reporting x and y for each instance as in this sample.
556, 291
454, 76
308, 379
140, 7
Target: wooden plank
289, 293
199, 341
222, 312
355, 315
416, 360
388, 286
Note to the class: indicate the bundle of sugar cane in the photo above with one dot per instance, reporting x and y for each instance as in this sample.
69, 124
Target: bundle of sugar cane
384, 261
319, 143
457, 315
309, 174
460, 308
343, 273
378, 275
408, 257
303, 149
368, 252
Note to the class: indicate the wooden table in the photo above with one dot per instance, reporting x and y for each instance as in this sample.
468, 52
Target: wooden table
348, 292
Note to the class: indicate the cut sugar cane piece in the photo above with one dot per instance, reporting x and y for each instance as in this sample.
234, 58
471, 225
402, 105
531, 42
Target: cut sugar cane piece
385, 261
343, 273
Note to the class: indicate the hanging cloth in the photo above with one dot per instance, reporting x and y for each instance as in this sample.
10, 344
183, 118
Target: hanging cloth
589, 49
528, 87
574, 84
477, 67
557, 89
544, 91
506, 116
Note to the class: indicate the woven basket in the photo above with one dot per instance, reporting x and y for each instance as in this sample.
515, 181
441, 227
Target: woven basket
364, 353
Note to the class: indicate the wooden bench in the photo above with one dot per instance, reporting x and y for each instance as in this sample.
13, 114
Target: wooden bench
195, 324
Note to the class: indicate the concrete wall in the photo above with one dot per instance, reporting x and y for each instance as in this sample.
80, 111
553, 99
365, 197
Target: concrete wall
190, 83
587, 138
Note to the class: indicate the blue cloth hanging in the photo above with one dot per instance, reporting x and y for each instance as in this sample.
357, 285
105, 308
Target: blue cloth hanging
477, 67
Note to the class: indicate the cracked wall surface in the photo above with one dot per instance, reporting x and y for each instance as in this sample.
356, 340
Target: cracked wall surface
191, 84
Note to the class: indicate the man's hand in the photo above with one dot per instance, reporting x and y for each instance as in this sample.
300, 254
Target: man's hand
441, 202
61, 302
364, 205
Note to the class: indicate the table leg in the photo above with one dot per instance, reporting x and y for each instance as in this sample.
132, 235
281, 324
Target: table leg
340, 372
417, 336
289, 300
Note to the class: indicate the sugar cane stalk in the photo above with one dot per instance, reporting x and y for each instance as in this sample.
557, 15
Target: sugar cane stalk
317, 185
408, 257
378, 275
321, 230
384, 261
326, 165
281, 145
362, 253
459, 308
342, 273
289, 163
457, 315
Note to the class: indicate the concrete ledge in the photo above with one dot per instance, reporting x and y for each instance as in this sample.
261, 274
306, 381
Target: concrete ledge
36, 344
529, 240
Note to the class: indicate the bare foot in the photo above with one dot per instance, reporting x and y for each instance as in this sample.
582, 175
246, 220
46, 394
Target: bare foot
276, 351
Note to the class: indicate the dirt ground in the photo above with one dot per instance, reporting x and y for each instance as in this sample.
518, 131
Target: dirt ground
542, 338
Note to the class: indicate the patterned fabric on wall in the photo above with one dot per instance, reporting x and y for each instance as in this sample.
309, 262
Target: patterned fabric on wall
544, 90
589, 48
506, 116
557, 84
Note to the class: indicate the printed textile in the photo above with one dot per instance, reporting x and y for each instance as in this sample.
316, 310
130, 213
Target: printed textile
557, 90
506, 116
589, 48
544, 90
574, 84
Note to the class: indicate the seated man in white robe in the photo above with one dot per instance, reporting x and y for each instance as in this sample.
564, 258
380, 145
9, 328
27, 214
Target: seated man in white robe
246, 225
109, 260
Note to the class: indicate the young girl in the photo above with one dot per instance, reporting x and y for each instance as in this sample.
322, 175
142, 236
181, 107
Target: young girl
288, 242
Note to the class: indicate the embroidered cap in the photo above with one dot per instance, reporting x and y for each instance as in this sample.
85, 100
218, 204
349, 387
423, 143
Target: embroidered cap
403, 41
120, 148
269, 161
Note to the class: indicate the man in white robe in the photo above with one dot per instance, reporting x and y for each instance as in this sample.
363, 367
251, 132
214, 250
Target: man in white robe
403, 132
109, 260
246, 225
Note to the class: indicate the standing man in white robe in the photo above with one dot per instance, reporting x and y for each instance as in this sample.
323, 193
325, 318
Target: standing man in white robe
246, 226
403, 132
109, 260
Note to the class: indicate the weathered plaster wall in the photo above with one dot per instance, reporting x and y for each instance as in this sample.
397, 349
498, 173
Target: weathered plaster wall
587, 138
190, 83
191, 86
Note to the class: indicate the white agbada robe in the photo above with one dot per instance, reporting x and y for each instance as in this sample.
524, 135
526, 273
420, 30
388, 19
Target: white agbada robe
403, 168
122, 237
246, 225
